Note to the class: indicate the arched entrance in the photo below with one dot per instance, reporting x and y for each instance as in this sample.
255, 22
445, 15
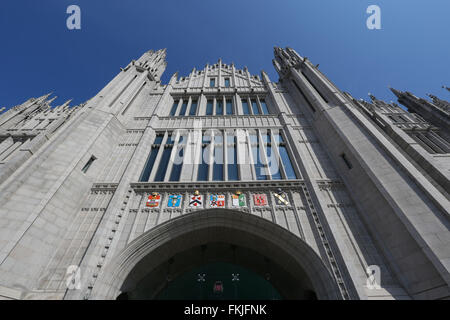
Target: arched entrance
216, 240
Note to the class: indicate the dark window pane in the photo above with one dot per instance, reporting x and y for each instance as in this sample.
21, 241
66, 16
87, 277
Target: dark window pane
219, 107
245, 108
212, 82
218, 138
253, 138
176, 168
149, 165
278, 138
274, 167
209, 108
163, 164
193, 110
264, 108
183, 108
88, 164
170, 139
174, 108
229, 107
290, 173
202, 174
218, 163
255, 107
218, 172
232, 164
347, 162
227, 82
206, 138
158, 139
230, 137
260, 169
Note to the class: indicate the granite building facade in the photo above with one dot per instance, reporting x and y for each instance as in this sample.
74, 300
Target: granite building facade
295, 184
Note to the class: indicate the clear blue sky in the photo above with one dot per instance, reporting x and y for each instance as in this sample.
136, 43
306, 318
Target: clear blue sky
39, 54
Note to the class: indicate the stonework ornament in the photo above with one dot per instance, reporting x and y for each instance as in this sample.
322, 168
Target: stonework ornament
260, 199
281, 198
217, 201
174, 201
153, 200
238, 199
196, 201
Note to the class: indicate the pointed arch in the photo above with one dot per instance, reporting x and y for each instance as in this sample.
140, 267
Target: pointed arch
158, 245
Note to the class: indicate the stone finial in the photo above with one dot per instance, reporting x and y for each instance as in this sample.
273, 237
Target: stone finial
174, 78
51, 100
265, 76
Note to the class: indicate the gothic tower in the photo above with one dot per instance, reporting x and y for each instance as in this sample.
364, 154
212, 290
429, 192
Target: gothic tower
223, 179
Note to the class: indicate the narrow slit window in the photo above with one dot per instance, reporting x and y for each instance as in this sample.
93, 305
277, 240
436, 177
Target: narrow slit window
88, 164
212, 82
227, 82
347, 162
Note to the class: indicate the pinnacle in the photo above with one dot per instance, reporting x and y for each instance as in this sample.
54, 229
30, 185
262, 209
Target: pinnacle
396, 92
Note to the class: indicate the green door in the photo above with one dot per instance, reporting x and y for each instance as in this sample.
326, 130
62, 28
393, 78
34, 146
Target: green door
219, 281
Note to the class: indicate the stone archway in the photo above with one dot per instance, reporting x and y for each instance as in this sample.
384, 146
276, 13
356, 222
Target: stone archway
297, 269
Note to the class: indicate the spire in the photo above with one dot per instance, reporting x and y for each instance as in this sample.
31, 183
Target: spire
398, 93
66, 104
44, 97
51, 100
